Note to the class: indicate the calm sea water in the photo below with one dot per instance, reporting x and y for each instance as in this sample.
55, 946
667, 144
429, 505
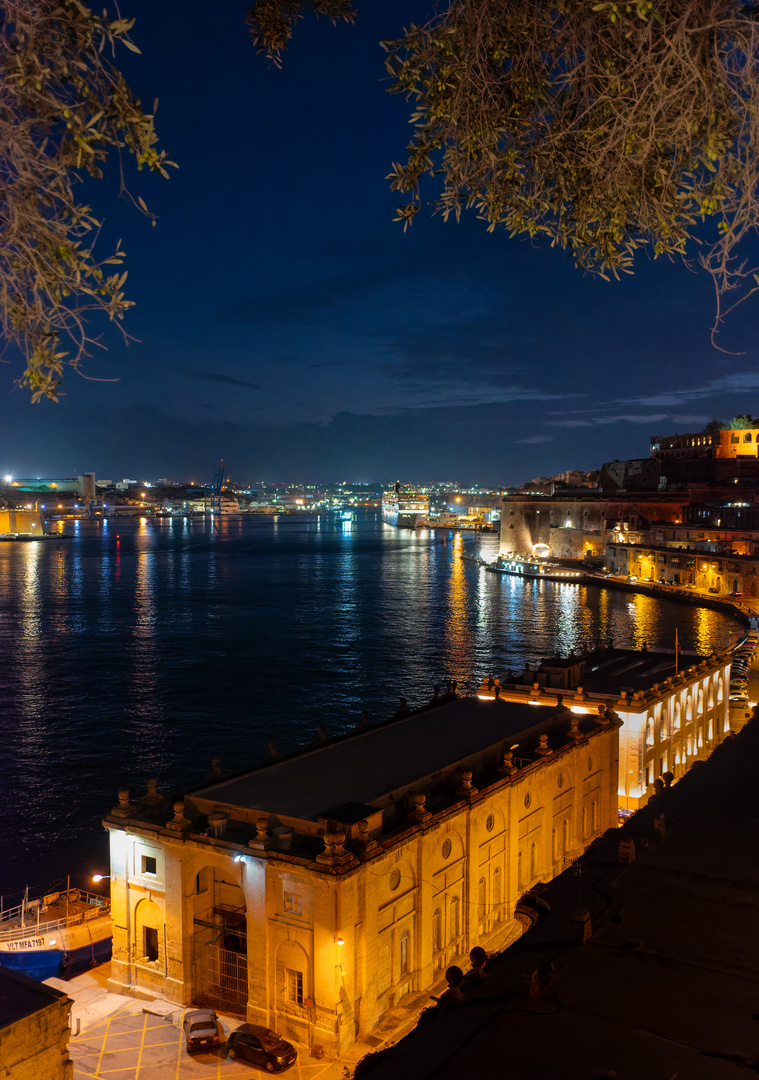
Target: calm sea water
140, 649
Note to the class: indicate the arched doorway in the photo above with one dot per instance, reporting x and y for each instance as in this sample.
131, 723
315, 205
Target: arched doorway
220, 942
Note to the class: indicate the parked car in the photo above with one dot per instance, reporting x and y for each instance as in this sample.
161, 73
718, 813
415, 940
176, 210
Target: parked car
261, 1046
201, 1029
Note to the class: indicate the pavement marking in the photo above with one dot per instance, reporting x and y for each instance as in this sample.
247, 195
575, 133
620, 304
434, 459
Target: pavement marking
102, 1045
142, 1044
83, 1072
179, 1053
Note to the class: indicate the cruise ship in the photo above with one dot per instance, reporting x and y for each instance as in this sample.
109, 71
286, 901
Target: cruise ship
404, 508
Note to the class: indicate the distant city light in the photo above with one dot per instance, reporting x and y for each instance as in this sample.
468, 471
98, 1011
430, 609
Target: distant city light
8, 479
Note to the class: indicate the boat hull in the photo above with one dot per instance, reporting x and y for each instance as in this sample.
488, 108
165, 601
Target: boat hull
402, 519
60, 953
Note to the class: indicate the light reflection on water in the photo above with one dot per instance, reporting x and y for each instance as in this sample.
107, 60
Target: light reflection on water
147, 648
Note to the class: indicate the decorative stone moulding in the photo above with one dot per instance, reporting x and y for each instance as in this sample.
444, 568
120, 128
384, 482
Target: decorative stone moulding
152, 803
363, 846
179, 824
465, 788
262, 841
574, 729
543, 749
419, 814
334, 853
507, 766
125, 809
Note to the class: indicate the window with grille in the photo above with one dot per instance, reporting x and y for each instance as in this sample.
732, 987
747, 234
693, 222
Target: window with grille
294, 986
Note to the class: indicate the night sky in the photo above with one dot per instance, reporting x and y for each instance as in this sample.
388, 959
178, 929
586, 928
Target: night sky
288, 325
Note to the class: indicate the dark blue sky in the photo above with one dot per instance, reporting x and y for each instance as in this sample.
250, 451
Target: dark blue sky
287, 324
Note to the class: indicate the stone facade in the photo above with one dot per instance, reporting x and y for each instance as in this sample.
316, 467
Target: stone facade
34, 1029
672, 718
317, 923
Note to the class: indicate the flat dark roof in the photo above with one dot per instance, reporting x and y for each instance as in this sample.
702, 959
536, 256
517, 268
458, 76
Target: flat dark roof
21, 996
609, 671
367, 766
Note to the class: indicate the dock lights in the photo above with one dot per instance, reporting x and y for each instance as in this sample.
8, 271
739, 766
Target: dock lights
97, 878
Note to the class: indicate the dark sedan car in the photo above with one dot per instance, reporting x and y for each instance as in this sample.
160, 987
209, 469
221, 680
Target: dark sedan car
261, 1046
201, 1029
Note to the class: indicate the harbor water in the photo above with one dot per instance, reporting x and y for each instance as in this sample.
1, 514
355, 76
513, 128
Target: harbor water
146, 648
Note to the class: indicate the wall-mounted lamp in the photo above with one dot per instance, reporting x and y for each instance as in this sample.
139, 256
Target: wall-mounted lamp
100, 877
239, 858
340, 941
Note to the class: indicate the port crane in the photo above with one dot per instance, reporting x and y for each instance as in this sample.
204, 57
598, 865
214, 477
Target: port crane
212, 492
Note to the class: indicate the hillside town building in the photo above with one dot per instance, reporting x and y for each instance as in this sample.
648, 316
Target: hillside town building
313, 893
696, 492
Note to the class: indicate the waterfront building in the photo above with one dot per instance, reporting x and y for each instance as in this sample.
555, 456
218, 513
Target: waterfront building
674, 709
23, 523
313, 893
654, 979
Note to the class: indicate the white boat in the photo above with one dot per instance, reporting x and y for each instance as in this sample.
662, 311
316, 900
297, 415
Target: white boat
58, 934
405, 508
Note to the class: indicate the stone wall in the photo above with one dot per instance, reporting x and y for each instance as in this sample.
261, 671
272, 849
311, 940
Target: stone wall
33, 1046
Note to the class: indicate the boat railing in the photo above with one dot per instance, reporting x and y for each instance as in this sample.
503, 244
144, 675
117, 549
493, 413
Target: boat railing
28, 918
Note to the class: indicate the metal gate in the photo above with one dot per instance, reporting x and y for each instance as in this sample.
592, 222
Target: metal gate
220, 974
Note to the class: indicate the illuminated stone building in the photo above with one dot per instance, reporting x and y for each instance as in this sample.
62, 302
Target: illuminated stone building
673, 713
313, 893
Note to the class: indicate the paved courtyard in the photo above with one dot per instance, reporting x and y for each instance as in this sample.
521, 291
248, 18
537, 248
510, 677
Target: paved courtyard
133, 1045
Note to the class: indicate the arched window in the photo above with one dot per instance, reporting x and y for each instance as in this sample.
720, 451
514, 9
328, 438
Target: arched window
710, 697
584, 822
688, 708
720, 690
437, 930
148, 932
482, 903
747, 437
594, 816
497, 892
555, 844
565, 836
533, 860
710, 730
663, 733
649, 732
455, 918
700, 703
520, 870
404, 952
